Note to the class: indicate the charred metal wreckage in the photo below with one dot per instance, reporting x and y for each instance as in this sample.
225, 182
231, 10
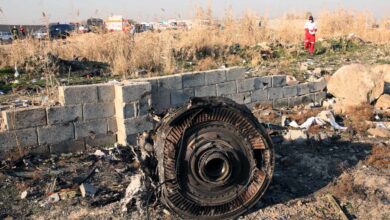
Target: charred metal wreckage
215, 160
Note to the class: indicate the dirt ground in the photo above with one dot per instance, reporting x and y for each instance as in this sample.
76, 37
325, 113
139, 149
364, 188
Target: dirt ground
342, 178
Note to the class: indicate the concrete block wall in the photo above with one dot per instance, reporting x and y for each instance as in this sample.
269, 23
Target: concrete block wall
104, 114
132, 103
174, 90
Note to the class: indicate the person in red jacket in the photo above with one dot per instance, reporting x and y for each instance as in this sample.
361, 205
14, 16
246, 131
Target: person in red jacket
310, 35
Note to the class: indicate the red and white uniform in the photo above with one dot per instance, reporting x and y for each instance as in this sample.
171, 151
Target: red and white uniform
310, 36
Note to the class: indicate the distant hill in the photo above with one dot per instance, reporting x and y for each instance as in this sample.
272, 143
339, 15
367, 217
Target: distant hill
29, 28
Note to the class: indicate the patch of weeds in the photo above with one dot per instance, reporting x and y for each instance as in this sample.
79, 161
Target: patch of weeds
357, 117
6, 70
320, 49
383, 61
379, 157
351, 46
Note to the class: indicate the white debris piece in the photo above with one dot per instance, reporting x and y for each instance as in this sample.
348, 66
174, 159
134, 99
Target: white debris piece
53, 198
99, 153
321, 119
87, 190
297, 136
132, 190
24, 194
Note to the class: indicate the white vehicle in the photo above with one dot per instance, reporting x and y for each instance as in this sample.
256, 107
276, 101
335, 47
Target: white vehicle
5, 37
116, 23
40, 34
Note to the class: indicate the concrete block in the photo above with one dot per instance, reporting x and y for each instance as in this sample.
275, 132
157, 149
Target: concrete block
275, 93
38, 150
242, 98
129, 111
263, 82
125, 110
246, 85
132, 139
205, 91
131, 92
121, 133
226, 88
195, 79
143, 106
230, 96
279, 103
279, 81
213, 77
112, 126
161, 101
73, 95
24, 118
71, 146
263, 103
101, 140
294, 101
320, 96
18, 139
290, 91
55, 134
303, 89
171, 82
106, 92
309, 98
235, 73
317, 86
98, 110
179, 97
90, 128
138, 125
153, 82
64, 114
260, 95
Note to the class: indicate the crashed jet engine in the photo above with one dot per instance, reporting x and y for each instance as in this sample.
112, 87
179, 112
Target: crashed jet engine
215, 160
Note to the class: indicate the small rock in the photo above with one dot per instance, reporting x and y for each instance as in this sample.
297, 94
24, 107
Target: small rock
149, 148
24, 194
68, 194
291, 81
297, 136
304, 67
87, 190
383, 102
317, 72
53, 198
379, 132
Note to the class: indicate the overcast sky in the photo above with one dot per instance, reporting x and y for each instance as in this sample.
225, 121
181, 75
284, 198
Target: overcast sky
30, 11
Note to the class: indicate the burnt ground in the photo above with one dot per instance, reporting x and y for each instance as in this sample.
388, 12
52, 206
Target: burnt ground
355, 173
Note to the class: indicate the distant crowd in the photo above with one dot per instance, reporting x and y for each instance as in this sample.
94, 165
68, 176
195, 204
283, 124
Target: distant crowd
18, 32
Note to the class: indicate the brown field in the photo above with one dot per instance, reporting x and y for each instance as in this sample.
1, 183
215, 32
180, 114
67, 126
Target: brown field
203, 47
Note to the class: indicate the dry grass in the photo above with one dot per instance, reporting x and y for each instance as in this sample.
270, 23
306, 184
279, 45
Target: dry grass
357, 117
206, 46
380, 157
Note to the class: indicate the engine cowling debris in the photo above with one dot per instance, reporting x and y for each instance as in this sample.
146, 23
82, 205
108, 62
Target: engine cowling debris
215, 160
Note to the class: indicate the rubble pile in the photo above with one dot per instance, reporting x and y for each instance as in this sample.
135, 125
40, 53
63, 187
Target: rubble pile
93, 179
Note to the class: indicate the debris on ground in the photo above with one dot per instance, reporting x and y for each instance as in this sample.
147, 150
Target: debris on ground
87, 190
379, 132
321, 119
